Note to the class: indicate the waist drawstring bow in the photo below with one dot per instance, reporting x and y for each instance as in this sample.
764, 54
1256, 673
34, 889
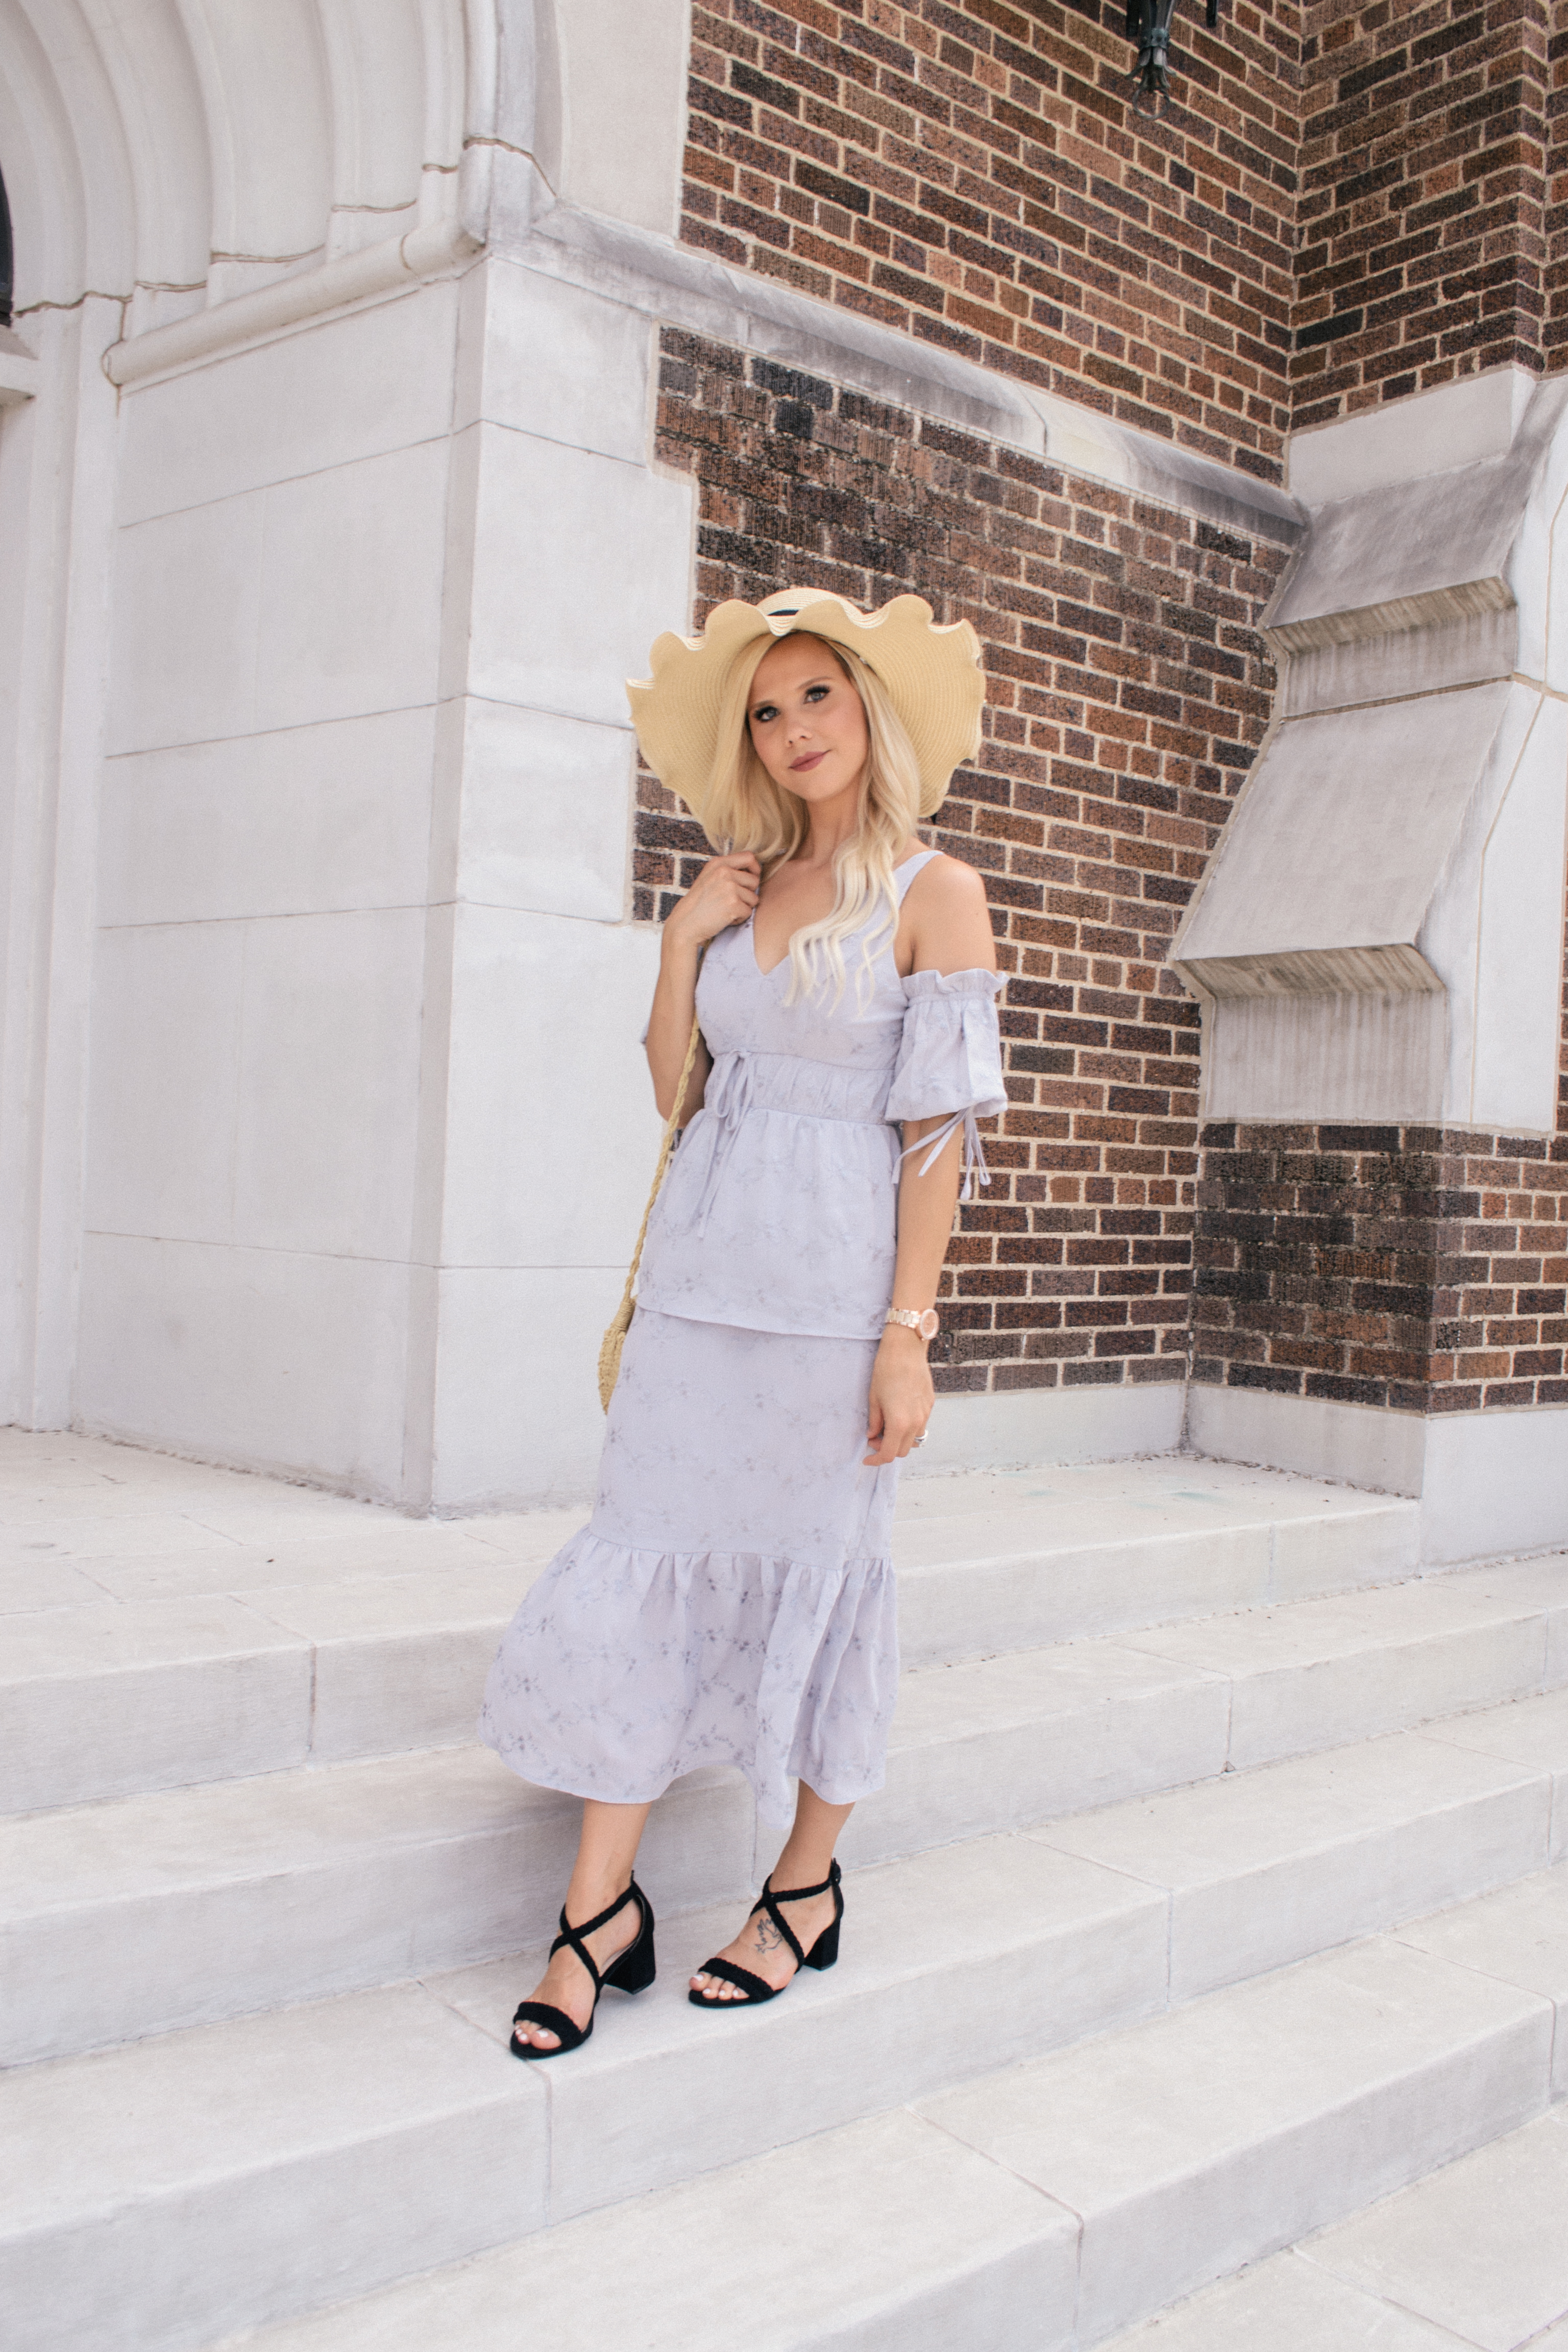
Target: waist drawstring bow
727, 1099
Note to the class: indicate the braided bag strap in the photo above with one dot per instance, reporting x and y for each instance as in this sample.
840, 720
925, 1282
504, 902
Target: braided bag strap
620, 1322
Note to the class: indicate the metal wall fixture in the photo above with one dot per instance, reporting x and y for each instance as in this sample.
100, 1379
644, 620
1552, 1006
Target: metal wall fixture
1149, 24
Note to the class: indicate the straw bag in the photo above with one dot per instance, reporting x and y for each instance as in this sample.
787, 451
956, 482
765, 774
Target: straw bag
620, 1322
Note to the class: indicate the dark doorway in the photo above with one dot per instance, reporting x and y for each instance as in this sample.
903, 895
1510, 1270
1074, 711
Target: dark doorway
4, 257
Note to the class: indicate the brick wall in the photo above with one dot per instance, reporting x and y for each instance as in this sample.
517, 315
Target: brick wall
1349, 202
1127, 689
1422, 223
1420, 1267
971, 173
1555, 335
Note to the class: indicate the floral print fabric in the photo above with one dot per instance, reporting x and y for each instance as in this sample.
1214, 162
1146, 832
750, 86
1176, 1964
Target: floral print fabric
730, 1601
732, 1598
779, 1210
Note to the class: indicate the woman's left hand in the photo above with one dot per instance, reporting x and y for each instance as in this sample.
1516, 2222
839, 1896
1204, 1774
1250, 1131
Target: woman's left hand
902, 1395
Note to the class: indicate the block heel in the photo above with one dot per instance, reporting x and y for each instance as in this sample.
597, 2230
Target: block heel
633, 1971
823, 1954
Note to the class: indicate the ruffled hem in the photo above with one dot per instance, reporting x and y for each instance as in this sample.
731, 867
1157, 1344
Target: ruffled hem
624, 1668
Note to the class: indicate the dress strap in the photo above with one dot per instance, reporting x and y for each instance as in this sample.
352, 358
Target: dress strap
905, 874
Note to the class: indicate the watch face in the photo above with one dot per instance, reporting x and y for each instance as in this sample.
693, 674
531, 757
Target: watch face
931, 1324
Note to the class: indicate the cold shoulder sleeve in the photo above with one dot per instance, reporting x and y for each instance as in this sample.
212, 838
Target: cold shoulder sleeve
950, 1060
951, 1056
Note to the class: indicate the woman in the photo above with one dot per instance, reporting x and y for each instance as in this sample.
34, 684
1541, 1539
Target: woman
730, 1601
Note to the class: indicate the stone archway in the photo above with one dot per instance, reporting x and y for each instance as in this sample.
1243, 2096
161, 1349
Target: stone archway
157, 171
270, 431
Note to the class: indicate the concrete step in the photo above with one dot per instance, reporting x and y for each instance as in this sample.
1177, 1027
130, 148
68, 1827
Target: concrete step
1205, 2140
1118, 2176
227, 1898
244, 1894
160, 2194
1265, 1867
885, 2236
265, 2131
1011, 1740
83, 1520
1475, 2254
315, 2151
201, 1655
115, 1697
1023, 1560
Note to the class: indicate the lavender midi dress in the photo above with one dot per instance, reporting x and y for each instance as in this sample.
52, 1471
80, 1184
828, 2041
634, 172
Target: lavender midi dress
730, 1601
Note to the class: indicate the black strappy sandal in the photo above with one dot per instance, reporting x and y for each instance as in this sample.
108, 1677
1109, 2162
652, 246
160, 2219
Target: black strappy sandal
822, 1955
633, 1972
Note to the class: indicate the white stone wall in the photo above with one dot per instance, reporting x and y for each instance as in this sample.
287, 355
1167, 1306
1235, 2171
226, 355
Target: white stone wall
345, 1182
264, 876
369, 1124
577, 553
1380, 934
1380, 938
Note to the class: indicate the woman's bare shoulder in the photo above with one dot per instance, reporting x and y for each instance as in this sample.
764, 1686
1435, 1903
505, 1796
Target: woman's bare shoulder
947, 917
946, 883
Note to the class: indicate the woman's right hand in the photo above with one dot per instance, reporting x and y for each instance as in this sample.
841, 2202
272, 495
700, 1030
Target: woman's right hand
724, 892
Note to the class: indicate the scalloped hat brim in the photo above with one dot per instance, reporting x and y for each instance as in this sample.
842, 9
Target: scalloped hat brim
931, 670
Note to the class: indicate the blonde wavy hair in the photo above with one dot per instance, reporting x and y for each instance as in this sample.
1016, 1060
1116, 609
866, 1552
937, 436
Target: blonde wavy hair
749, 811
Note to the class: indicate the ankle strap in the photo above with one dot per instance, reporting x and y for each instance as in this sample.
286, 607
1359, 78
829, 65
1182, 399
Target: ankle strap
572, 1937
802, 1894
770, 1903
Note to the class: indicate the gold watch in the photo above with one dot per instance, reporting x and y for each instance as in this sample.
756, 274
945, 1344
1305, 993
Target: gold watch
926, 1320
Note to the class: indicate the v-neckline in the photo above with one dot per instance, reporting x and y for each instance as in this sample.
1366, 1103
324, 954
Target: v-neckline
756, 967
751, 923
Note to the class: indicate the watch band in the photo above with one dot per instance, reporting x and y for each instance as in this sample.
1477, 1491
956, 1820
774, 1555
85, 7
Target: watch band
925, 1321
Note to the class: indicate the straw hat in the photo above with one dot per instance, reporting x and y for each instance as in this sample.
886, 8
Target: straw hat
932, 673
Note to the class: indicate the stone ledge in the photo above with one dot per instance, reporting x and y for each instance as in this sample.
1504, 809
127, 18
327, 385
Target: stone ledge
685, 288
1489, 1483
376, 270
677, 284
